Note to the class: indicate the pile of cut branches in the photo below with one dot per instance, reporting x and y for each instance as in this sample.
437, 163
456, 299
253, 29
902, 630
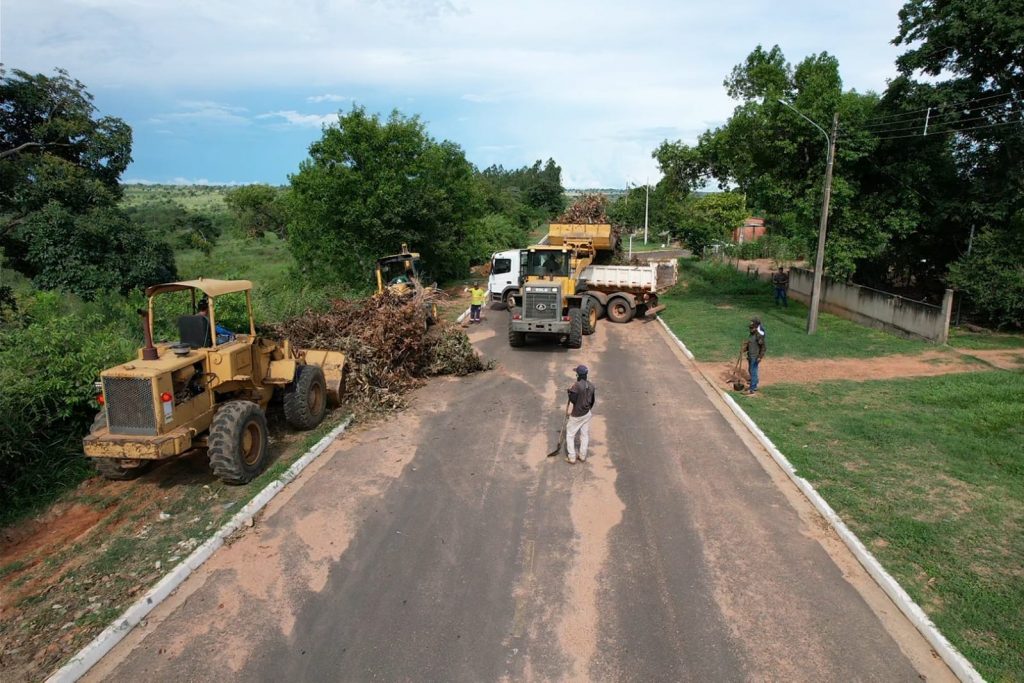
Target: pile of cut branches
388, 351
589, 208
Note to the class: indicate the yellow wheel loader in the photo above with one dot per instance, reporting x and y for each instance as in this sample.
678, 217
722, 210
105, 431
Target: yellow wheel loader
403, 274
207, 390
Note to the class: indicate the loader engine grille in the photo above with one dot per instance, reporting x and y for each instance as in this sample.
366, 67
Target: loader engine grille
542, 305
129, 404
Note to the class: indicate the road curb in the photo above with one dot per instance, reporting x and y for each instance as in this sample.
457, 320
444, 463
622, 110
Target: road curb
89, 655
959, 664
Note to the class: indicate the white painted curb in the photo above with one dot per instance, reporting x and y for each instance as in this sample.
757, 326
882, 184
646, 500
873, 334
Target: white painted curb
113, 634
963, 669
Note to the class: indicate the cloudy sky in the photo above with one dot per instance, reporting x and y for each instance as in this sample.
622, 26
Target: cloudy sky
234, 92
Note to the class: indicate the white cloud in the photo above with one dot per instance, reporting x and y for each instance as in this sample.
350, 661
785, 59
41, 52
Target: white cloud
203, 111
296, 119
594, 85
317, 99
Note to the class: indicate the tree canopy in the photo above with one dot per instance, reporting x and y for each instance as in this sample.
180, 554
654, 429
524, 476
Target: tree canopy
60, 168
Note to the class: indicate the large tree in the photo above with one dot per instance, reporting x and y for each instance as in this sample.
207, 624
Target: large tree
372, 184
60, 168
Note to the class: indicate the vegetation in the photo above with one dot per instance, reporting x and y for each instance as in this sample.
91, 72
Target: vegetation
710, 307
929, 473
903, 203
59, 172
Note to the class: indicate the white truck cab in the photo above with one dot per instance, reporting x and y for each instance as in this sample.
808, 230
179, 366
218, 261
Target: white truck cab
503, 283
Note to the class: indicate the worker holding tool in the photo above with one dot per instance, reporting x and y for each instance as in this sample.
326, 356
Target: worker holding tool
755, 348
582, 395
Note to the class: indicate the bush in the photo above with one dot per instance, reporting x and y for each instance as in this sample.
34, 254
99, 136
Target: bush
992, 275
49, 359
774, 247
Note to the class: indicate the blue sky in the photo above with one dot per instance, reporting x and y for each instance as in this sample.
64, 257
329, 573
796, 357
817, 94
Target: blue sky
234, 92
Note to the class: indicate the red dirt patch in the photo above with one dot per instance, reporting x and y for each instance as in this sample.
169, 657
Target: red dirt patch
1004, 359
59, 527
810, 370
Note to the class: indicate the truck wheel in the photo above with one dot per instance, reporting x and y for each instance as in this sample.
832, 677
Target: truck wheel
619, 310
590, 315
509, 299
515, 339
238, 442
108, 468
575, 339
305, 399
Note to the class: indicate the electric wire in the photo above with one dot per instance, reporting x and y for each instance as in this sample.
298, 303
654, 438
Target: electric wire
945, 132
946, 106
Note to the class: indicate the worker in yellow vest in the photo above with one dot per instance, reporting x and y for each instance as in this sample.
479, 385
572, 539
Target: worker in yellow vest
477, 297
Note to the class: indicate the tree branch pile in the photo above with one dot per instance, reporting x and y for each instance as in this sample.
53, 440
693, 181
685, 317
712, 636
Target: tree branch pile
589, 208
387, 350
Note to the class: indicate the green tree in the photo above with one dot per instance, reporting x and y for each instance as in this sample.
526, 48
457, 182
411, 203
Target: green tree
59, 186
259, 209
370, 185
711, 217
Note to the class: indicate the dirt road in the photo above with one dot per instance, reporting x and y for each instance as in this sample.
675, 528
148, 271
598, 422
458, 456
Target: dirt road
443, 545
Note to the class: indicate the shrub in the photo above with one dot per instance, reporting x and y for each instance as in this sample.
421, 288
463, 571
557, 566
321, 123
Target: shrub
50, 356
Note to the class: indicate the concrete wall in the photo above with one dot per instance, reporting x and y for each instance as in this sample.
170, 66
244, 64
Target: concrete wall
875, 308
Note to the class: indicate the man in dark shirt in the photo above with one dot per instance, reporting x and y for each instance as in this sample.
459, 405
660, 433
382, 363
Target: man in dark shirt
781, 282
582, 395
755, 348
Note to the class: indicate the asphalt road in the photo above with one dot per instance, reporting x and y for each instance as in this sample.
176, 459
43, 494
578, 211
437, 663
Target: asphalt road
444, 546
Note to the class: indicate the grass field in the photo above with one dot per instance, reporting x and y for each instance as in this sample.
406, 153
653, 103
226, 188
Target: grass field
929, 472
204, 198
713, 303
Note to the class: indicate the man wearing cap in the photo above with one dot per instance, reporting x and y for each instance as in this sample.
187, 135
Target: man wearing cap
582, 395
755, 348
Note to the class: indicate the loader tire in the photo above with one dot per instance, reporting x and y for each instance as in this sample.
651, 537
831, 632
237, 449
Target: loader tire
238, 442
305, 399
575, 339
515, 339
590, 315
619, 310
109, 468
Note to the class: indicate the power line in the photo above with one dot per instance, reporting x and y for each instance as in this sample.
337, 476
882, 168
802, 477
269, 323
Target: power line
944, 105
955, 130
932, 122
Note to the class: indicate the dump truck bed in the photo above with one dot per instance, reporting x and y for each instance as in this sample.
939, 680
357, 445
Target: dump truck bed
651, 277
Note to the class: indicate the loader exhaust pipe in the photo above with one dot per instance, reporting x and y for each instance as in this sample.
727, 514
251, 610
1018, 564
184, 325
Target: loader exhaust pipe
148, 351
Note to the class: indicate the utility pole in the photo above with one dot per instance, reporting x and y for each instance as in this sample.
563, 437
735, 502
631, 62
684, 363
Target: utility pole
819, 260
647, 206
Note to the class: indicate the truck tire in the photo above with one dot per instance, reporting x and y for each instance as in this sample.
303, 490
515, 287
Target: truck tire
590, 315
305, 399
109, 468
575, 339
509, 299
238, 442
619, 310
515, 339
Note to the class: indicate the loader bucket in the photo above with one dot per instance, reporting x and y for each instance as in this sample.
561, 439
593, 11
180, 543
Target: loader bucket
333, 365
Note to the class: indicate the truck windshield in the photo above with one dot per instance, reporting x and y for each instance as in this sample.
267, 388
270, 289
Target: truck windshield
547, 263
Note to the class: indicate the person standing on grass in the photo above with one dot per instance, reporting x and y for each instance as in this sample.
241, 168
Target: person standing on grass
781, 282
582, 396
754, 347
477, 296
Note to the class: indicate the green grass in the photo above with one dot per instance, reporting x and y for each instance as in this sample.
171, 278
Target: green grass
639, 246
711, 307
962, 339
929, 473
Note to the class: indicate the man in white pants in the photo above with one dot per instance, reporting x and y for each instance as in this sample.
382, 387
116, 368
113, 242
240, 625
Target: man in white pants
582, 395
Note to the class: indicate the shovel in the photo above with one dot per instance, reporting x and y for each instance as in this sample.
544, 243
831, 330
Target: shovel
561, 434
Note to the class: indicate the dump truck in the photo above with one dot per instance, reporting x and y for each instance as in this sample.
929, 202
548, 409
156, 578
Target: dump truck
207, 390
555, 288
404, 275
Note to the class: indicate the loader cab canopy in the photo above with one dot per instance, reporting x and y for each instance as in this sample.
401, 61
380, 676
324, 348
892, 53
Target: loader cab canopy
546, 263
212, 313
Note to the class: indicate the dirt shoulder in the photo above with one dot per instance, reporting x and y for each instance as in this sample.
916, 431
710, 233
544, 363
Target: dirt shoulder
68, 572
812, 370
